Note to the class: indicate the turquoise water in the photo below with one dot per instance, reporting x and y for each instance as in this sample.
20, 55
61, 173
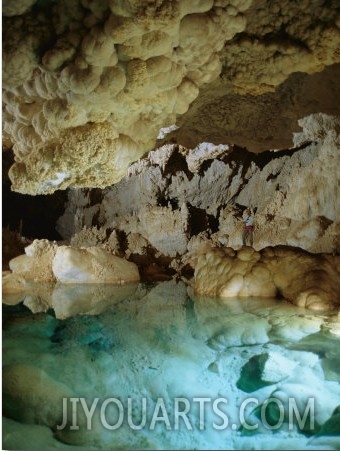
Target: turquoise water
163, 369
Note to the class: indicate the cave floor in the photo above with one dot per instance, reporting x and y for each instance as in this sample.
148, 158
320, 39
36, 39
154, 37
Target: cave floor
164, 369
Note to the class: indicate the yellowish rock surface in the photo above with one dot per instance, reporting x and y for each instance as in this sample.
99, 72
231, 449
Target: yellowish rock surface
307, 280
87, 86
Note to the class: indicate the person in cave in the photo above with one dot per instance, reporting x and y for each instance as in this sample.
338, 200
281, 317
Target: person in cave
248, 230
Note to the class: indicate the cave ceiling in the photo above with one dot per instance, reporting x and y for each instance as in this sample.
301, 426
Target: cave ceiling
88, 84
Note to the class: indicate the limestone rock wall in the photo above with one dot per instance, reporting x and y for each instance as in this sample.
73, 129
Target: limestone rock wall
175, 201
87, 85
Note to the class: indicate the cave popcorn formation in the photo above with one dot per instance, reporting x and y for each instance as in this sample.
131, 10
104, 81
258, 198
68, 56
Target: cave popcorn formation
88, 85
160, 122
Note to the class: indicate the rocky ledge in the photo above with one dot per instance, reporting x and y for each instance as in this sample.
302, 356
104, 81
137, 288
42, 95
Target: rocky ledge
307, 280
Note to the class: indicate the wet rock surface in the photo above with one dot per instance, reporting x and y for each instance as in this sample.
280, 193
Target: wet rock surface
161, 341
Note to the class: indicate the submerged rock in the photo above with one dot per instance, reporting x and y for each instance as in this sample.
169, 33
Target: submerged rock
332, 425
33, 436
30, 395
264, 369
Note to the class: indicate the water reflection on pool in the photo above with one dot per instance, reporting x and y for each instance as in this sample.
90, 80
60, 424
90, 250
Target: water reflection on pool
154, 367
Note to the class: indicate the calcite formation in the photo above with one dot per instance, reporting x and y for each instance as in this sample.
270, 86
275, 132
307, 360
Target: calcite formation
92, 265
177, 201
87, 85
30, 395
166, 343
47, 262
36, 263
306, 280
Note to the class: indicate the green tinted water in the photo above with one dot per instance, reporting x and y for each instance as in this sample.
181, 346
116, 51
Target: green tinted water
163, 369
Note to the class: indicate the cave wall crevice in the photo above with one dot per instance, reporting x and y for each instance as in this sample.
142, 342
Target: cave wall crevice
294, 194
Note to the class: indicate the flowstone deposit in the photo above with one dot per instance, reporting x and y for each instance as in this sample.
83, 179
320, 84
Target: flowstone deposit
306, 280
47, 262
88, 85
